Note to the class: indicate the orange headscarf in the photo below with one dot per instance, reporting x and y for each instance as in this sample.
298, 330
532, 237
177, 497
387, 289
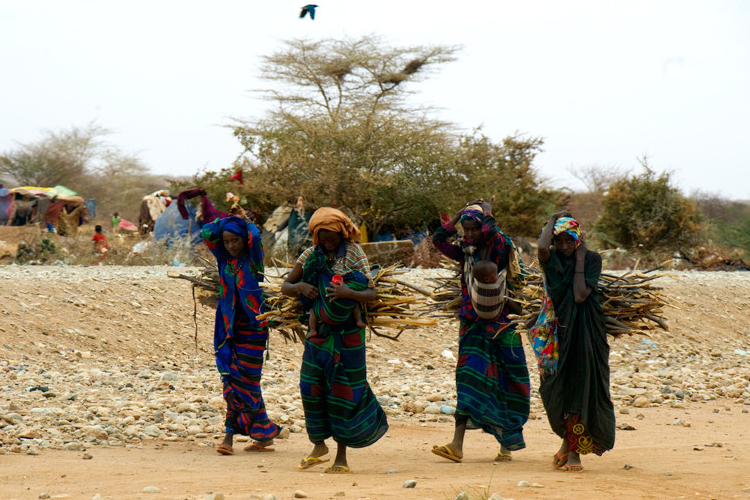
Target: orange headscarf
333, 220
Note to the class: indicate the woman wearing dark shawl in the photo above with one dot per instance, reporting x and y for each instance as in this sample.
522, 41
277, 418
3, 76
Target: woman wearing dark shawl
574, 373
492, 380
336, 397
239, 338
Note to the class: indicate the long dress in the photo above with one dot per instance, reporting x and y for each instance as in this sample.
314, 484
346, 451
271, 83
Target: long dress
576, 394
336, 397
492, 379
239, 338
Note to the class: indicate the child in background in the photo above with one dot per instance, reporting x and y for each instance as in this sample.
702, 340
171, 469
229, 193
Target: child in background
115, 221
101, 247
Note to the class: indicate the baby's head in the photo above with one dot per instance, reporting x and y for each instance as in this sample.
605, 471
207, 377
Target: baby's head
485, 271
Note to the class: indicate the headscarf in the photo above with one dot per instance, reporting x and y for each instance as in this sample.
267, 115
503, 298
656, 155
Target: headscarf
571, 226
472, 212
334, 220
235, 225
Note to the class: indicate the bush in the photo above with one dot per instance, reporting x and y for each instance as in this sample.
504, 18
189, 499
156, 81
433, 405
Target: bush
646, 213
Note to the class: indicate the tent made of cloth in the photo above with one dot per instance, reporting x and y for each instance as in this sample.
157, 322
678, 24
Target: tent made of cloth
170, 226
34, 204
152, 207
59, 192
6, 205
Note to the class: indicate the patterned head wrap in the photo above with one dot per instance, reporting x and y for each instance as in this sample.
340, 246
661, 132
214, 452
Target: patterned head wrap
333, 220
571, 226
472, 212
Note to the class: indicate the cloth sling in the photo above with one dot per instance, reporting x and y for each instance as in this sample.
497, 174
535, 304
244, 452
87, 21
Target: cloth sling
488, 299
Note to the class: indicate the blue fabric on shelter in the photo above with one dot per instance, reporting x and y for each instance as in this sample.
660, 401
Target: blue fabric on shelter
6, 206
91, 207
385, 236
170, 225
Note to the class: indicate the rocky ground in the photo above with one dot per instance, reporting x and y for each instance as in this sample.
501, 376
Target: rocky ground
96, 359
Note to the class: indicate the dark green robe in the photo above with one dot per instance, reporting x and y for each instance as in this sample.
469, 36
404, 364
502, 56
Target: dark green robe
579, 388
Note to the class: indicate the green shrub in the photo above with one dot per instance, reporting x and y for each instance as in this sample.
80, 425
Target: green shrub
646, 213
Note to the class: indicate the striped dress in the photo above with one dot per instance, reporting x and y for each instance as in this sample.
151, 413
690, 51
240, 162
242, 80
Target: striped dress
240, 339
336, 396
492, 380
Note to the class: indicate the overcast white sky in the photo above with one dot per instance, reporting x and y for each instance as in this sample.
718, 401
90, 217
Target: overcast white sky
603, 82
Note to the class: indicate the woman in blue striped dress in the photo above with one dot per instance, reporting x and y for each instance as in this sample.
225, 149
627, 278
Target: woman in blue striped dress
239, 338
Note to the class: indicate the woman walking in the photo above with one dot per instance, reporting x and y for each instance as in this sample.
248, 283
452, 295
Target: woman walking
336, 397
574, 375
239, 338
492, 380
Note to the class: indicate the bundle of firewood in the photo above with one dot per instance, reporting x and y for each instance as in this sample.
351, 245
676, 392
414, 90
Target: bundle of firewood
395, 307
631, 303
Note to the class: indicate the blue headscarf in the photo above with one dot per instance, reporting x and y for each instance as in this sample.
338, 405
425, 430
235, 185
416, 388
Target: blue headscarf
234, 225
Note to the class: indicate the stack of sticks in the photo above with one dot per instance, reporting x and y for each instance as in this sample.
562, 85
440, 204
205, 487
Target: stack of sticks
395, 308
631, 303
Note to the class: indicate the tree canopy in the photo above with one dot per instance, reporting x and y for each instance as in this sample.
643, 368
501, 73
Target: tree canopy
82, 159
342, 132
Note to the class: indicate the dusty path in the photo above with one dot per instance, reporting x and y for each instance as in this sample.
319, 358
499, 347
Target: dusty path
130, 403
665, 460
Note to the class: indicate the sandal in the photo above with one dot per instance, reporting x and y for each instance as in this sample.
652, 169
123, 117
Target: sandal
255, 447
225, 449
572, 468
337, 469
503, 457
310, 461
445, 452
559, 461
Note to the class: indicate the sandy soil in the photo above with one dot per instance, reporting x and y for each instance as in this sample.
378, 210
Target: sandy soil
706, 456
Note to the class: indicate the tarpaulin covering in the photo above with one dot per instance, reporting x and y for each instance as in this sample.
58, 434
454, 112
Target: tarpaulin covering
171, 226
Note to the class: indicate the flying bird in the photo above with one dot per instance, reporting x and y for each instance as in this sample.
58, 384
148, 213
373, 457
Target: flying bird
308, 8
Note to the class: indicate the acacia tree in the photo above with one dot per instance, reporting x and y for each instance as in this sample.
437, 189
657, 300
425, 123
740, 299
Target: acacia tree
342, 132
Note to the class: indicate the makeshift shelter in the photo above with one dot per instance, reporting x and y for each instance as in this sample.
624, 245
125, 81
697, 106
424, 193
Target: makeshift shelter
185, 218
152, 206
290, 224
59, 206
6, 205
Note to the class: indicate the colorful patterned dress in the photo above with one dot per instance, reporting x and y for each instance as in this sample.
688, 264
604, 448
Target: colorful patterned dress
336, 396
240, 339
492, 380
575, 391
